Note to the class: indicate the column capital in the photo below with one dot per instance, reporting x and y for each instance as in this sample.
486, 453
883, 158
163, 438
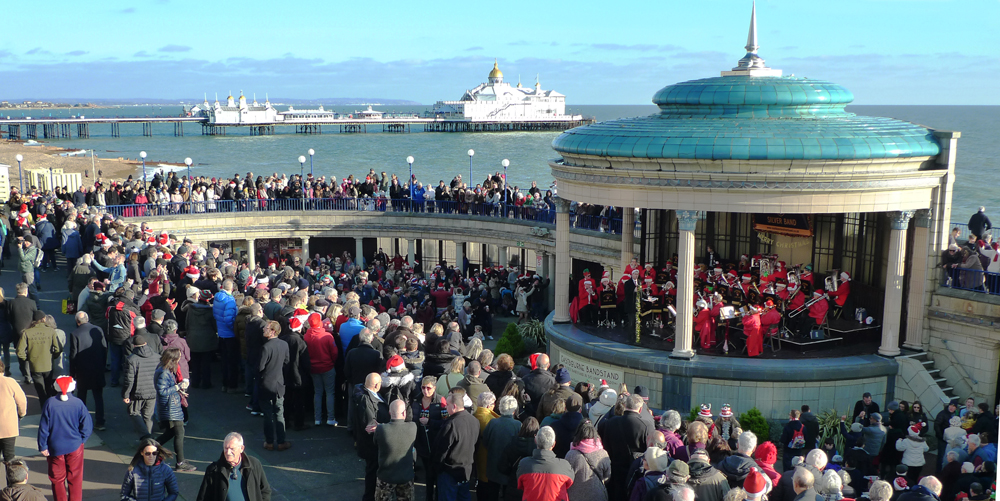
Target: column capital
922, 218
562, 205
900, 219
687, 220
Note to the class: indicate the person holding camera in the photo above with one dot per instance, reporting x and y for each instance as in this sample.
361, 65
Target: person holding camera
29, 257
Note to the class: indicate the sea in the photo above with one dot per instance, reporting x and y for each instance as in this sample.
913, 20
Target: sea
440, 156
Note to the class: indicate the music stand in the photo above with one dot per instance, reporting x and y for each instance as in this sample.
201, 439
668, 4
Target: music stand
728, 313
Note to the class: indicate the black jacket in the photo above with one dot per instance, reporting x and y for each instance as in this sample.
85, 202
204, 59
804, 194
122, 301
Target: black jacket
215, 484
979, 223
367, 409
427, 435
120, 314
140, 373
273, 359
812, 429
455, 448
736, 468
499, 379
297, 369
88, 350
536, 384
565, 427
254, 336
361, 362
20, 309
623, 436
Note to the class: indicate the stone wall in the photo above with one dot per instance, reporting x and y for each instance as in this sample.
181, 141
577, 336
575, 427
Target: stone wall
775, 399
964, 335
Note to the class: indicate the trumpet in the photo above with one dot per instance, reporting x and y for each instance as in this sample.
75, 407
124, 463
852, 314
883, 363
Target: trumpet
805, 306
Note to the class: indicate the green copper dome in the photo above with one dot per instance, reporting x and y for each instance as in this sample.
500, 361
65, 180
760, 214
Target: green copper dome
740, 117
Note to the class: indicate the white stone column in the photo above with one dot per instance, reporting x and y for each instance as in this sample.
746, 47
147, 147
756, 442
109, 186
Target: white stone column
411, 252
628, 237
892, 310
502, 255
459, 257
305, 249
686, 223
561, 280
916, 307
252, 253
359, 250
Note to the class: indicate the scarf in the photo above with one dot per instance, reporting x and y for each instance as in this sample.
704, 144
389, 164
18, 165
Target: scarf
587, 445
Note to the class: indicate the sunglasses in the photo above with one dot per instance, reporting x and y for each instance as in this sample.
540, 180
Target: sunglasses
149, 453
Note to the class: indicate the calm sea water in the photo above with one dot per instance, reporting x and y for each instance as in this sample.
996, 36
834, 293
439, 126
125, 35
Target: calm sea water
442, 155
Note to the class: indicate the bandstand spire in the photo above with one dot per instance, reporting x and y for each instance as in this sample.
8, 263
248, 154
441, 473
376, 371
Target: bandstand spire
752, 64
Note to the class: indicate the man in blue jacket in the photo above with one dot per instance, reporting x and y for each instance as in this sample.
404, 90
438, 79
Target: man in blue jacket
46, 234
225, 309
64, 427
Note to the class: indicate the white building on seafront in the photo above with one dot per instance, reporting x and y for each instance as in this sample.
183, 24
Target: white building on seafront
240, 113
496, 100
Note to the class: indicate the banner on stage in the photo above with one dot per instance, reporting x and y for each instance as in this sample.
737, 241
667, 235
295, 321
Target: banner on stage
793, 225
585, 370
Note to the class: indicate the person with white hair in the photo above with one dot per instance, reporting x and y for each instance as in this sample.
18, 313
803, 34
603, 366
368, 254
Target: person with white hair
543, 476
670, 422
234, 468
737, 466
496, 436
831, 486
979, 224
955, 436
880, 490
929, 489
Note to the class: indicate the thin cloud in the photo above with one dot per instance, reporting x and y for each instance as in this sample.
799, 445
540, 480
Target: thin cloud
471, 49
37, 50
130, 10
77, 53
4, 54
141, 53
174, 48
634, 47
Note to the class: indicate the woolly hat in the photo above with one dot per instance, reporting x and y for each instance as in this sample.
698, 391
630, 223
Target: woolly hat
562, 376
65, 385
857, 428
755, 485
706, 411
608, 397
643, 392
205, 295
38, 315
893, 406
653, 457
315, 320
295, 324
395, 364
726, 412
766, 453
677, 469
915, 429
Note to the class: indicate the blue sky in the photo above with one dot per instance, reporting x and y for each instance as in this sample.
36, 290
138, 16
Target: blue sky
595, 52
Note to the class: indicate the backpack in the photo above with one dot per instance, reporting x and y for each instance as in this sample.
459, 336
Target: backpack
798, 438
38, 258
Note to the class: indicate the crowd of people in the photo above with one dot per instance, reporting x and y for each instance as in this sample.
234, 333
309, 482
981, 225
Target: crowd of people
974, 263
393, 353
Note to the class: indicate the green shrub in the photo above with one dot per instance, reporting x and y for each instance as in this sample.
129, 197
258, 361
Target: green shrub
694, 414
755, 422
511, 342
534, 331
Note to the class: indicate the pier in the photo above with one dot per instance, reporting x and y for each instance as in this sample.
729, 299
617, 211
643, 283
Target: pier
62, 128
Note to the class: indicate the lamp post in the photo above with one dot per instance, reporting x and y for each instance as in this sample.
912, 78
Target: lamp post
505, 163
311, 153
142, 154
470, 152
20, 173
188, 161
409, 160
52, 181
302, 166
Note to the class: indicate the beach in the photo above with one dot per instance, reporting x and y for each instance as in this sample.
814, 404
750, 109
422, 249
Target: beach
45, 157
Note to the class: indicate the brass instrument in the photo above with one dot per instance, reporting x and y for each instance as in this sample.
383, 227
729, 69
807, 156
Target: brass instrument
832, 281
805, 306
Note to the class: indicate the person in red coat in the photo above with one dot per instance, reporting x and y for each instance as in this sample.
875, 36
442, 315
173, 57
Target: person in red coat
581, 285
751, 327
634, 265
818, 309
798, 299
770, 318
648, 272
705, 325
839, 296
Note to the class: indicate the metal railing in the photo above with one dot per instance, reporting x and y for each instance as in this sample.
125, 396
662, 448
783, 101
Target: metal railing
972, 280
964, 230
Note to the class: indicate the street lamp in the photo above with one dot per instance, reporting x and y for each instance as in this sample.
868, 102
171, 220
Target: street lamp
188, 161
20, 173
505, 163
409, 160
470, 152
311, 153
142, 154
302, 166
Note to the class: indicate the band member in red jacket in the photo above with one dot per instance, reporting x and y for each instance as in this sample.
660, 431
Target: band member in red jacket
705, 325
751, 327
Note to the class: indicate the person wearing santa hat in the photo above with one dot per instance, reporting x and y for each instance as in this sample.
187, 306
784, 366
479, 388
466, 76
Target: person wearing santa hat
840, 296
64, 427
751, 328
705, 325
756, 485
913, 447
297, 370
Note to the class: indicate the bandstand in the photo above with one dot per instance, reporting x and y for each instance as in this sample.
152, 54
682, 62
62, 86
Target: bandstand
725, 153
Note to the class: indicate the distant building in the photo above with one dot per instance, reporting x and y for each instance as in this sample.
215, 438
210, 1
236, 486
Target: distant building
237, 114
496, 100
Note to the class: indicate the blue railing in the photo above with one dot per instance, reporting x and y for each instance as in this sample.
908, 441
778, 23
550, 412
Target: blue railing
964, 231
972, 280
542, 215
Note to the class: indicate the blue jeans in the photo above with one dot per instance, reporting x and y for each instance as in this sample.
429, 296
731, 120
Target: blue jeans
115, 352
450, 489
324, 383
274, 418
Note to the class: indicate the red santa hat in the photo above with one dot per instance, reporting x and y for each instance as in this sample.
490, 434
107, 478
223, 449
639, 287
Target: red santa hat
151, 240
916, 429
746, 277
755, 484
706, 411
669, 284
670, 263
164, 240
533, 360
65, 385
727, 411
649, 266
42, 216
899, 484
606, 275
315, 320
845, 276
302, 315
781, 284
295, 324
817, 293
192, 272
395, 364
648, 280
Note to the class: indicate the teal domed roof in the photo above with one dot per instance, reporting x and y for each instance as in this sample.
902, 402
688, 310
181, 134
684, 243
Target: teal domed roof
751, 118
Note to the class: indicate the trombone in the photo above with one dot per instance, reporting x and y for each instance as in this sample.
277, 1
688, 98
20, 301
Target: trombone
805, 306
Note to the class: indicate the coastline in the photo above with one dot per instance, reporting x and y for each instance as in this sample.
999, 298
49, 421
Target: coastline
46, 157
